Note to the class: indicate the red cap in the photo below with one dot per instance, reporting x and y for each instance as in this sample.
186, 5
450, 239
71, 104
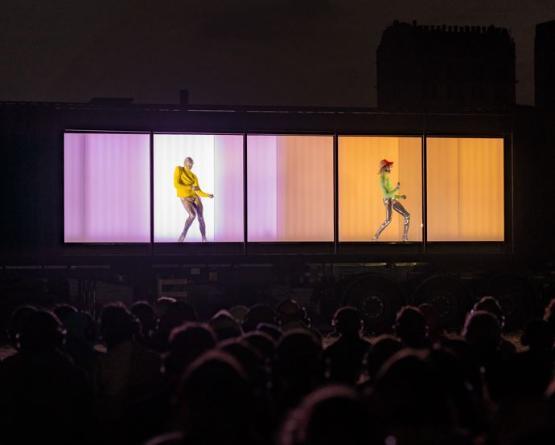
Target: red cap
385, 163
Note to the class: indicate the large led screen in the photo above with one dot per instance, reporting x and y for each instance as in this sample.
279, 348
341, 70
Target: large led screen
380, 188
465, 189
204, 195
106, 187
290, 188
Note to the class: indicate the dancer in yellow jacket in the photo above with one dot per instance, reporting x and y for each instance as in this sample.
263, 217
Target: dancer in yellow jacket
391, 201
189, 193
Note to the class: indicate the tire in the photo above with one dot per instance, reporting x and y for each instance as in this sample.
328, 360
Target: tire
377, 298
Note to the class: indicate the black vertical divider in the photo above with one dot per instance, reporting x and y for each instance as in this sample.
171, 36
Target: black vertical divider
508, 165
151, 167
245, 197
424, 192
62, 190
335, 194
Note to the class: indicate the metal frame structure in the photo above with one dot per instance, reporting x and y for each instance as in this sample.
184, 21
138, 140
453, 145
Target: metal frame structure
335, 247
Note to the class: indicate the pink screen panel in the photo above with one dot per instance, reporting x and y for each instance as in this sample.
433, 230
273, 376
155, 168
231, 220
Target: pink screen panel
106, 188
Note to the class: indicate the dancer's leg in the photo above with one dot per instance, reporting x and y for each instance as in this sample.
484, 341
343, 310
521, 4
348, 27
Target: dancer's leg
191, 212
398, 207
200, 214
387, 221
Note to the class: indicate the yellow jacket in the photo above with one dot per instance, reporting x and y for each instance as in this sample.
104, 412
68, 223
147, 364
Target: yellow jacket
186, 184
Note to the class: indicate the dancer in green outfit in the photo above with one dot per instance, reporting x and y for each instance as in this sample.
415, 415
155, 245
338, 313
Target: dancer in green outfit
391, 201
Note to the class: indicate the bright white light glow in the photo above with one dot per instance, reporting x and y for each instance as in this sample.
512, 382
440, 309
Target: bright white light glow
218, 164
170, 150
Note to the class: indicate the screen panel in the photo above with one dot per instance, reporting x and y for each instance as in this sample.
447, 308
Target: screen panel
362, 209
218, 165
106, 187
290, 188
465, 189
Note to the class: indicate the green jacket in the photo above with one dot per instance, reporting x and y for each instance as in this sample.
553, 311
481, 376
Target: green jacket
387, 190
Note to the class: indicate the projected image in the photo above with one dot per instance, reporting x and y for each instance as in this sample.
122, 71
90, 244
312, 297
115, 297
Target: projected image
198, 188
380, 183
465, 189
106, 188
290, 188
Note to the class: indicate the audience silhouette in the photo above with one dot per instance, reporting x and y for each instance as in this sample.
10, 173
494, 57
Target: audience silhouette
156, 374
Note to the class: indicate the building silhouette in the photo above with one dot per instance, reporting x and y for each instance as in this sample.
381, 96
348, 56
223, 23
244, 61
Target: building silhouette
544, 55
445, 67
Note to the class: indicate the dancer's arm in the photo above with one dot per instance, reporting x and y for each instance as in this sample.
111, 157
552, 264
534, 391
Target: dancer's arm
391, 191
198, 190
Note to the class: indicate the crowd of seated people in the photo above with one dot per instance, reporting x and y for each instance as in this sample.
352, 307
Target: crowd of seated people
156, 374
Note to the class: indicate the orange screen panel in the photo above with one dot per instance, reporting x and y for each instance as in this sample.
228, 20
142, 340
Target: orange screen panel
465, 189
361, 207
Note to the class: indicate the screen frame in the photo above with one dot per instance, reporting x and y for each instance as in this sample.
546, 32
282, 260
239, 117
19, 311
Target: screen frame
508, 194
230, 244
62, 189
314, 247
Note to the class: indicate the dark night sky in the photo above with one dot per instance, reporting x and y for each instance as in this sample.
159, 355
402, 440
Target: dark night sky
277, 52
